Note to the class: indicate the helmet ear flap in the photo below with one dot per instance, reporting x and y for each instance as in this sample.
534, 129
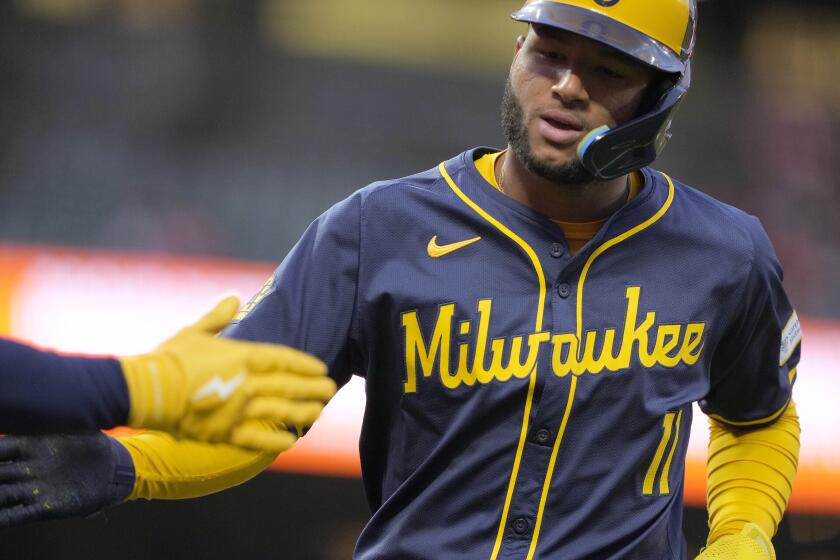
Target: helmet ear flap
610, 153
663, 83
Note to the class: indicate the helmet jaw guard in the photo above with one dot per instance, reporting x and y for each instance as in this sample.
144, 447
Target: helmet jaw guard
610, 153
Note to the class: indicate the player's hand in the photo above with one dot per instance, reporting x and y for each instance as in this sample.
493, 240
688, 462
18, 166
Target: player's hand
750, 544
56, 476
199, 386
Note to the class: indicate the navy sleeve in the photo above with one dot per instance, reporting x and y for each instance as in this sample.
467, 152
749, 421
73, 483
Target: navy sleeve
309, 303
46, 392
754, 367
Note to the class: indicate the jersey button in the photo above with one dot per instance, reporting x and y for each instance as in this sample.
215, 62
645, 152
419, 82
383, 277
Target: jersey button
542, 436
520, 525
557, 250
564, 290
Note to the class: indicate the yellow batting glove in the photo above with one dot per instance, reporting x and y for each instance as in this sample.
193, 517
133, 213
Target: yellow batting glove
198, 386
750, 544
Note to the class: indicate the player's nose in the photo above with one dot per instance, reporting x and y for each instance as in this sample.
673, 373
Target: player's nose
569, 87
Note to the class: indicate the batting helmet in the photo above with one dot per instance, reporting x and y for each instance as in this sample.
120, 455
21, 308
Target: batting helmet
658, 33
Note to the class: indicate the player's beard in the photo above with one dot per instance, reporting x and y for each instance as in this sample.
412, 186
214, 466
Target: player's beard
516, 134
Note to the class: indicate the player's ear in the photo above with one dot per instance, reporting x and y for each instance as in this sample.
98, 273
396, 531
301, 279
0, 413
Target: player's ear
519, 42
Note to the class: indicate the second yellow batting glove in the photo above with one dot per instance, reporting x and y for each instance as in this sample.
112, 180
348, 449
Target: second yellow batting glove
198, 386
750, 544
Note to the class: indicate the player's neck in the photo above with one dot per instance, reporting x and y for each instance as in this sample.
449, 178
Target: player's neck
566, 203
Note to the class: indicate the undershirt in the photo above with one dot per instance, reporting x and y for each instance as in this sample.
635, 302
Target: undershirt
577, 233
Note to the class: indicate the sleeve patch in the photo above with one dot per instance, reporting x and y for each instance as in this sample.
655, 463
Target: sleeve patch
258, 297
791, 337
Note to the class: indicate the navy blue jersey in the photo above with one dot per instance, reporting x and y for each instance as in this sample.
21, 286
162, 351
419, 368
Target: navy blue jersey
522, 402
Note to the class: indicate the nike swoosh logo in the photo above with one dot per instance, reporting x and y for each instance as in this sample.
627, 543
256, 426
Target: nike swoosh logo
218, 386
437, 251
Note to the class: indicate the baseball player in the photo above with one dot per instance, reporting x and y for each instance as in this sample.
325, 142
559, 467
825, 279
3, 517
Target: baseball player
534, 324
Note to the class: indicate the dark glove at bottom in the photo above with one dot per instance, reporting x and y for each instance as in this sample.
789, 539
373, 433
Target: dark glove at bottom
57, 476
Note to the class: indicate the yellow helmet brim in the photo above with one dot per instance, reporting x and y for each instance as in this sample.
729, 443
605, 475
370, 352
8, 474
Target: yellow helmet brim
606, 30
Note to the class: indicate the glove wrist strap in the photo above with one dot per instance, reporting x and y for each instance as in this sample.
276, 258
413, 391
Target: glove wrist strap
154, 402
124, 474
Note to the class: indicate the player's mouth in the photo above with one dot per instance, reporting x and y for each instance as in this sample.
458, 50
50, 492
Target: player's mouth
561, 128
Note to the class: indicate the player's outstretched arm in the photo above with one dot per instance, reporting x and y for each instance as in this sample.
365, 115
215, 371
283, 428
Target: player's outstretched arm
199, 386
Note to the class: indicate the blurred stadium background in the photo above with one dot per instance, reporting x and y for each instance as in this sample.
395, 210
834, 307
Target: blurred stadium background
154, 153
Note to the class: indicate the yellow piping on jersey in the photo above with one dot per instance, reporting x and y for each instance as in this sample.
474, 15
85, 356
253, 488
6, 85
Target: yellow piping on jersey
538, 327
579, 317
551, 461
764, 420
612, 243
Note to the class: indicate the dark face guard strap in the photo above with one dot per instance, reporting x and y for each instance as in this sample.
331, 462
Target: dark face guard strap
610, 153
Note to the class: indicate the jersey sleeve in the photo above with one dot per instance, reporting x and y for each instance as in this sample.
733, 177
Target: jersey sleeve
309, 303
754, 365
42, 391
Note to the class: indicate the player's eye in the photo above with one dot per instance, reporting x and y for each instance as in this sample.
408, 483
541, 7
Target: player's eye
550, 55
610, 73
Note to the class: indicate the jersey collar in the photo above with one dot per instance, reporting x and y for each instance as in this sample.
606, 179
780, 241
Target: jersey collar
463, 171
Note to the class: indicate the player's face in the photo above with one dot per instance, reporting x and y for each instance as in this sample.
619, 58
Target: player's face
561, 86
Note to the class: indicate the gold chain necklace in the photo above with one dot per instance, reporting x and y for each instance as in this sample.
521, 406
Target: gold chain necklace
502, 175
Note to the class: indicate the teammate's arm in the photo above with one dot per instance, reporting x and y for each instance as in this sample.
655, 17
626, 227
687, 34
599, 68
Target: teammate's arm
59, 475
42, 391
194, 385
169, 469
